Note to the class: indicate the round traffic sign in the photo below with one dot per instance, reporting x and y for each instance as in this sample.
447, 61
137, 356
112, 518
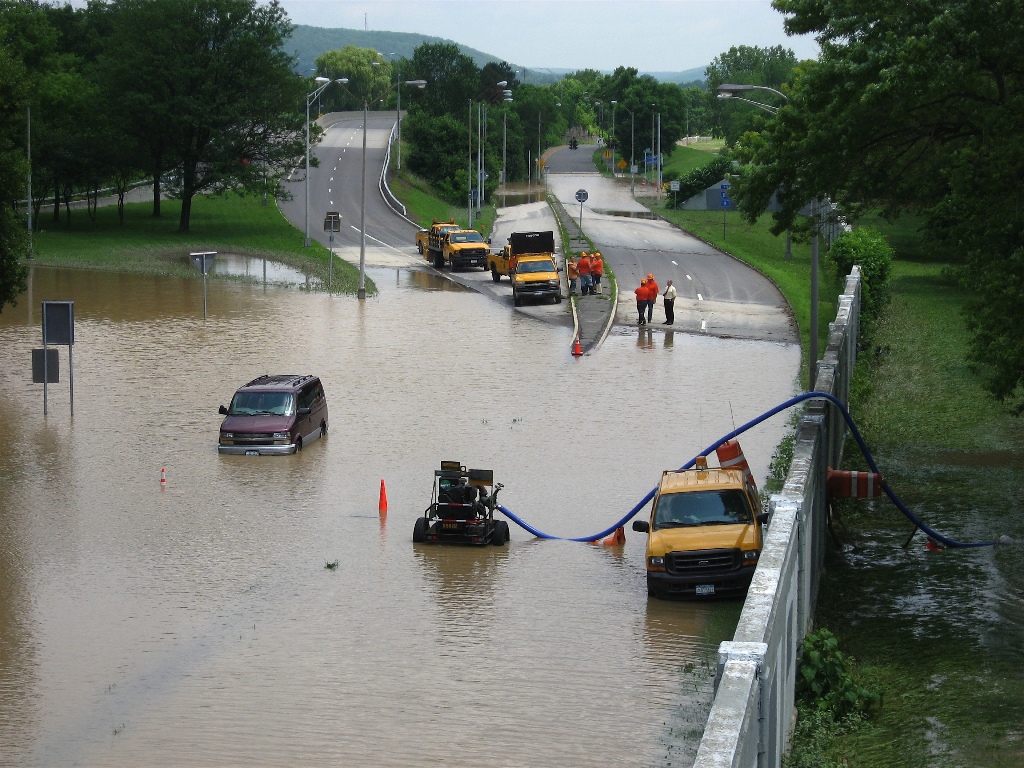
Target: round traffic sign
581, 195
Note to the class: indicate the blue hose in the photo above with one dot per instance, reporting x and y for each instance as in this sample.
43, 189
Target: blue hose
944, 540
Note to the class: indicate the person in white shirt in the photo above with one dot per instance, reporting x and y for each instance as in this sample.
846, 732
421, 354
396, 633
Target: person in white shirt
670, 303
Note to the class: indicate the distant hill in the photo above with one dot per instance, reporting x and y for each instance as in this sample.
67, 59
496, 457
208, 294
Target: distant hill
306, 43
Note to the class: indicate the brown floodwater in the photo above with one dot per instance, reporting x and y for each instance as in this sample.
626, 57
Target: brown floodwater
196, 624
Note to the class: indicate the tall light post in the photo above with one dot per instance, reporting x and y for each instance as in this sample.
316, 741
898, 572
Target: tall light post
361, 292
729, 91
421, 84
310, 97
28, 157
506, 98
612, 142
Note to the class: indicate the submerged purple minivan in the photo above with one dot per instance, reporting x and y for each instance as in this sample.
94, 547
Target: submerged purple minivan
274, 414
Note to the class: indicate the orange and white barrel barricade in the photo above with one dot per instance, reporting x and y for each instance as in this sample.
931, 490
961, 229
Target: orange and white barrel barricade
853, 485
730, 456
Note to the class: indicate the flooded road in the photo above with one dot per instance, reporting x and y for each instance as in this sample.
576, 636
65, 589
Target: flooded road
196, 624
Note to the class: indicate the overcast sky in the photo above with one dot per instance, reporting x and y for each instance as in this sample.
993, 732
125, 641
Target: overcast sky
651, 35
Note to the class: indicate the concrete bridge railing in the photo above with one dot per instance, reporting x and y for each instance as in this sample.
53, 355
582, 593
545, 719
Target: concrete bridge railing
753, 711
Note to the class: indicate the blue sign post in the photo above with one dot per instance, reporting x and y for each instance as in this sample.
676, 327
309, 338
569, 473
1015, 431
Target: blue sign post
726, 203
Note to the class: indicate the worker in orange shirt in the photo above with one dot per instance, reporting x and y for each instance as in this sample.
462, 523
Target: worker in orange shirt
573, 273
596, 270
586, 279
652, 297
641, 300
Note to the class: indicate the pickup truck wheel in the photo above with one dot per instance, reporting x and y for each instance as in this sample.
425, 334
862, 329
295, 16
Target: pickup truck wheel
419, 530
494, 275
516, 300
438, 261
558, 299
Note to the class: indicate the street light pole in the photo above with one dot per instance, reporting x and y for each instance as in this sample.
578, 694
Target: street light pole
361, 293
28, 156
729, 91
613, 137
323, 83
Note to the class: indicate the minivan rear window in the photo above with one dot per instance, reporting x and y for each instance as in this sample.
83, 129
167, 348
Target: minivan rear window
262, 404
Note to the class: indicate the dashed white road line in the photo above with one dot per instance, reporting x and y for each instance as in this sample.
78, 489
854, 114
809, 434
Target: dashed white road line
703, 326
699, 297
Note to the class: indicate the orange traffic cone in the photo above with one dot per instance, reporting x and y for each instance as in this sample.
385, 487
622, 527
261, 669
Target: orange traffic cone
576, 350
382, 505
617, 539
933, 546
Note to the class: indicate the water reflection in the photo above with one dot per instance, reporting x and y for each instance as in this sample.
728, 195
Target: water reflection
207, 629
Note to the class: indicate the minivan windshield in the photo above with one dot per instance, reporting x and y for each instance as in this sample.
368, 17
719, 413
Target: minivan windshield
721, 507
262, 404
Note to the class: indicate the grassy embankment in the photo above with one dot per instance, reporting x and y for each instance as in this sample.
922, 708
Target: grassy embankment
425, 206
935, 633
226, 224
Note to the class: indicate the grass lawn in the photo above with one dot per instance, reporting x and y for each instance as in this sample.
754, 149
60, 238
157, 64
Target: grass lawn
226, 224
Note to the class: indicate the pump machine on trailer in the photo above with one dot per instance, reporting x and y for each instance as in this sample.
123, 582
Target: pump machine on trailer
461, 510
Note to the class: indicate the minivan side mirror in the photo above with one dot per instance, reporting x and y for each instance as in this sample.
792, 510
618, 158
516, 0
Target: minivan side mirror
223, 410
304, 411
641, 526
764, 517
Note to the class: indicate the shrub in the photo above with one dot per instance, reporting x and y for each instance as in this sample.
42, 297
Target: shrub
699, 179
868, 249
824, 681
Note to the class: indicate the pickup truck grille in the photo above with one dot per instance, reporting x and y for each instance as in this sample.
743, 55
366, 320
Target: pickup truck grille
703, 561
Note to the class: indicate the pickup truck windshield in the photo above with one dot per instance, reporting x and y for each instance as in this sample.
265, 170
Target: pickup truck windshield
466, 237
535, 266
721, 507
262, 404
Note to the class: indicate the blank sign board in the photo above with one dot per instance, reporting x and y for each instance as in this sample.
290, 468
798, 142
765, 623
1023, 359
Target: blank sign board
59, 322
52, 374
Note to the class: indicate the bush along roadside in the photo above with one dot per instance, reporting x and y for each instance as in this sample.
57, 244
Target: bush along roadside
830, 701
867, 248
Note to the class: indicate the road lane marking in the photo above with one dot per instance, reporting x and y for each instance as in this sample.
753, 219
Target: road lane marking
689, 278
703, 326
699, 297
675, 263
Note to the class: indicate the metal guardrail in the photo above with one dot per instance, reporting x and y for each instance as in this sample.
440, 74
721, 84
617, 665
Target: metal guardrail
753, 710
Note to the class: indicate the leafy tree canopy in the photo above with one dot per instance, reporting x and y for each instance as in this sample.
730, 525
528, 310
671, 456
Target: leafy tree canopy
913, 106
369, 75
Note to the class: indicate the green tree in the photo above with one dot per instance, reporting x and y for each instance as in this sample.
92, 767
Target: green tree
369, 77
748, 65
13, 172
913, 106
208, 83
453, 79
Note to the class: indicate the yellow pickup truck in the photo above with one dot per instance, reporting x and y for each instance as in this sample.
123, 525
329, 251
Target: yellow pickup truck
705, 533
436, 230
528, 261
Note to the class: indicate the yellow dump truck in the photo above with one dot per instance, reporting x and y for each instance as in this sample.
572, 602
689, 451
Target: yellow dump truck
528, 261
436, 230
705, 533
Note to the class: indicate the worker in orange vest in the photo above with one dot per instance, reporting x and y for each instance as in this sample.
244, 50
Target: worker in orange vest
586, 281
652, 297
573, 273
641, 300
596, 270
